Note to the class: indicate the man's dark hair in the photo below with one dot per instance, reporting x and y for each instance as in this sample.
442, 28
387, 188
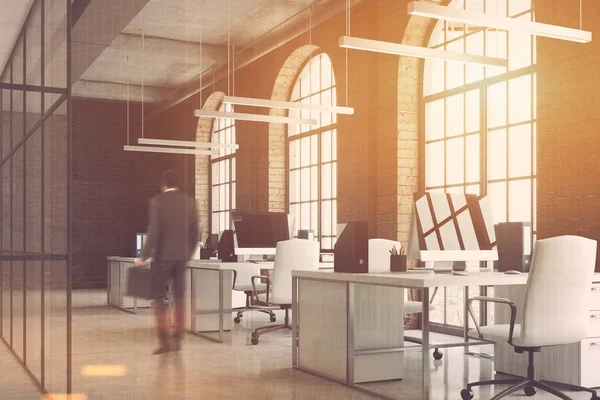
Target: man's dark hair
168, 179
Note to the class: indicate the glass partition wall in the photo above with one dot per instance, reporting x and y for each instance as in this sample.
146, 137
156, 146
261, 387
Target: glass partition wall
35, 171
480, 125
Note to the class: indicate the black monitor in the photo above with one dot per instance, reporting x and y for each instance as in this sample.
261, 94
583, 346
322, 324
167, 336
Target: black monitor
212, 242
256, 232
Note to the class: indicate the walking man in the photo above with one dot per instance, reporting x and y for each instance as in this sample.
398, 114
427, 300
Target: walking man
172, 238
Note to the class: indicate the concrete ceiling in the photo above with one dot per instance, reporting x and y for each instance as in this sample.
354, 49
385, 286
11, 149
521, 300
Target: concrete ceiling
116, 64
182, 40
12, 16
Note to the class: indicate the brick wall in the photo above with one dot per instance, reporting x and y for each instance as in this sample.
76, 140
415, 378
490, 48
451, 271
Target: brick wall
568, 104
111, 187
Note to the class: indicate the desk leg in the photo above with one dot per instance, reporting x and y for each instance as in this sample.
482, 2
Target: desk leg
221, 316
350, 324
193, 301
466, 316
108, 282
425, 346
482, 317
294, 322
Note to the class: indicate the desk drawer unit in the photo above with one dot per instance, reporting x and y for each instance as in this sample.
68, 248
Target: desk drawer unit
590, 364
594, 324
576, 364
595, 300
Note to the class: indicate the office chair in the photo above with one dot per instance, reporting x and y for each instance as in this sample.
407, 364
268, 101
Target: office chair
379, 261
555, 311
295, 254
242, 282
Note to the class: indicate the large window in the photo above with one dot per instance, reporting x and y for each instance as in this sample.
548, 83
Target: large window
223, 173
480, 122
313, 154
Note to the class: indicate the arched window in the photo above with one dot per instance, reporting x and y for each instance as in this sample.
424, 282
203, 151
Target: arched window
223, 173
313, 154
480, 121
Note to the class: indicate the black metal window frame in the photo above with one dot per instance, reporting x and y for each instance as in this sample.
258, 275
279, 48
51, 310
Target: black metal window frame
318, 133
481, 87
227, 157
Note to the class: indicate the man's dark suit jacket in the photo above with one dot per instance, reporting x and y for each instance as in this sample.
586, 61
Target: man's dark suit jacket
173, 232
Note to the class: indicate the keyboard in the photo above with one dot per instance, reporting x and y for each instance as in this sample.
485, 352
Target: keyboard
473, 273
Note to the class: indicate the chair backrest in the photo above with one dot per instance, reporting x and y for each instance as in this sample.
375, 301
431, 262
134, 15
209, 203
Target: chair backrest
557, 296
379, 254
295, 254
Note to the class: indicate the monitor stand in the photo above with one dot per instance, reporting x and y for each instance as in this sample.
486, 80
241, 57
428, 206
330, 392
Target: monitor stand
442, 267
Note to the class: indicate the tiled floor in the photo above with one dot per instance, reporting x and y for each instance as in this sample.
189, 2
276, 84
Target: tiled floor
234, 370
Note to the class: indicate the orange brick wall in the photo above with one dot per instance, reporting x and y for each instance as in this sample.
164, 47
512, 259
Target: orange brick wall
569, 124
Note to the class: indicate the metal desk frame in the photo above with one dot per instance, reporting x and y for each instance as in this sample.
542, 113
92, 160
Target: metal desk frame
194, 312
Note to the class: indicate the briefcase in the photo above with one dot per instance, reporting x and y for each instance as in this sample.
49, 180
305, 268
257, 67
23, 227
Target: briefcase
139, 283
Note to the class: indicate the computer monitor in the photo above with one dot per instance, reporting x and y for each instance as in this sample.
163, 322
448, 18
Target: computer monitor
212, 242
448, 227
258, 233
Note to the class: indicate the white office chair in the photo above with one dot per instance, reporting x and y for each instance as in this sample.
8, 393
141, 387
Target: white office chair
379, 261
555, 310
295, 254
242, 282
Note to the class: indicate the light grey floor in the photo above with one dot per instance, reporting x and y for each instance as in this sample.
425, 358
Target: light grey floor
14, 382
234, 370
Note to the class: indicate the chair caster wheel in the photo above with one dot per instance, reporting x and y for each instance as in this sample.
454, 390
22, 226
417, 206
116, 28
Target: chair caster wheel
237, 320
273, 318
437, 354
595, 397
530, 390
254, 341
254, 335
466, 394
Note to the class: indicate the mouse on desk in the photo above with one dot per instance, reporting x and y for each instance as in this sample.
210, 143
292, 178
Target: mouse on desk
512, 272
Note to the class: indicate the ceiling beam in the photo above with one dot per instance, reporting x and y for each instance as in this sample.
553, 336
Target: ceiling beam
129, 41
118, 91
88, 44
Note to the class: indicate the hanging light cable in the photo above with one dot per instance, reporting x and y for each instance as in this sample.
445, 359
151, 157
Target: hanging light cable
143, 62
238, 100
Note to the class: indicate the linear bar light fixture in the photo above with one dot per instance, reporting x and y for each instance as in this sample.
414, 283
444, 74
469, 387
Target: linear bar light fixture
474, 18
149, 149
253, 117
183, 143
289, 105
377, 46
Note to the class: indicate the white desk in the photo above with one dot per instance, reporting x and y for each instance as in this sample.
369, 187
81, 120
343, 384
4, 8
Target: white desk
209, 285
321, 349
208, 282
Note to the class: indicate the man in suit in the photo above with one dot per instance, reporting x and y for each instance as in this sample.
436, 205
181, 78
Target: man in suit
172, 239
